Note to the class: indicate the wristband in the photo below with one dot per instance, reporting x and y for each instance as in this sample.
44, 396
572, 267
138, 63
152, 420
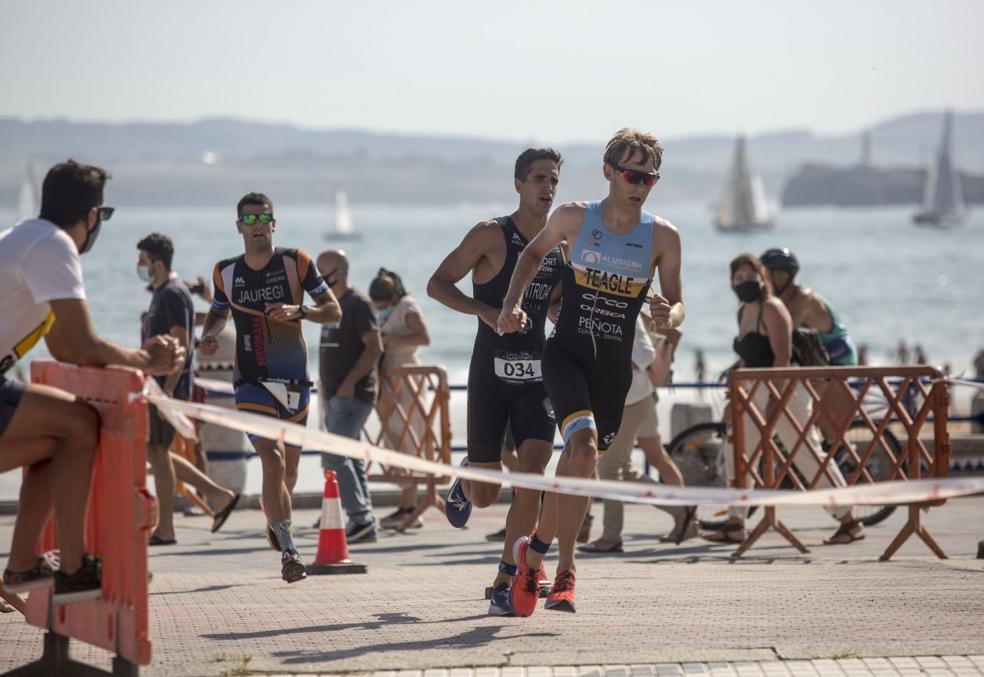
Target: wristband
303, 310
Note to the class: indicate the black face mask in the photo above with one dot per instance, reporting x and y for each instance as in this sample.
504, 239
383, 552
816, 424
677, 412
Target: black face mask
90, 237
749, 291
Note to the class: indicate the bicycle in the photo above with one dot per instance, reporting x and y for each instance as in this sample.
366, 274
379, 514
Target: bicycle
697, 451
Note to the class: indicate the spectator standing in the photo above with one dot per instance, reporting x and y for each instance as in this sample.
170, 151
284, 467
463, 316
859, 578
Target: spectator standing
349, 355
403, 331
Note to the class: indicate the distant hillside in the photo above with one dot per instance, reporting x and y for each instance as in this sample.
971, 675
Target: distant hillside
858, 186
161, 163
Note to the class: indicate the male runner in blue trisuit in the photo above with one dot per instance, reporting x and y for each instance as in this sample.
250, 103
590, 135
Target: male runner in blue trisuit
616, 249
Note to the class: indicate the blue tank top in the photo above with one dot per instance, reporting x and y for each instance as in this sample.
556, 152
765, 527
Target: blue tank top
605, 285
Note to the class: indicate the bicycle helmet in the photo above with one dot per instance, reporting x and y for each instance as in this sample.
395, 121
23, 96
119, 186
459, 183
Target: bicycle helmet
780, 259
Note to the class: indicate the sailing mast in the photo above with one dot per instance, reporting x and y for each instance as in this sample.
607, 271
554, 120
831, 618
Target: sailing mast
943, 203
743, 206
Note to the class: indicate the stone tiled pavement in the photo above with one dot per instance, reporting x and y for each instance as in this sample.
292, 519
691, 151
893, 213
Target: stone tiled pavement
218, 606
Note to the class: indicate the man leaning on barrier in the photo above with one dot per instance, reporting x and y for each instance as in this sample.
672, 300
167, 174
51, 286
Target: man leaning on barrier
47, 431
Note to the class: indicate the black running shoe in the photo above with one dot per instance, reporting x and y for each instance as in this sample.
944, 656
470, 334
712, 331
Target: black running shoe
361, 533
292, 568
37, 577
84, 584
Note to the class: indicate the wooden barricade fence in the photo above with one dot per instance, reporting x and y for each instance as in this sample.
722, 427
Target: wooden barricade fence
414, 416
121, 514
836, 401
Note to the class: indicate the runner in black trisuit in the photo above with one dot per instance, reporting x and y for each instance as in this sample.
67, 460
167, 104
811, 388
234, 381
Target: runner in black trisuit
615, 249
264, 289
505, 383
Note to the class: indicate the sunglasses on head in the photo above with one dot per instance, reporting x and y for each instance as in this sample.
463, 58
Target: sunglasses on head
634, 176
106, 213
250, 219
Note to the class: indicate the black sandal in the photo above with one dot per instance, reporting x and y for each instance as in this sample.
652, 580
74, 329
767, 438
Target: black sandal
844, 534
220, 517
157, 540
689, 514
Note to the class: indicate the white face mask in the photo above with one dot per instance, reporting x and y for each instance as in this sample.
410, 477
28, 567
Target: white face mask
143, 272
384, 313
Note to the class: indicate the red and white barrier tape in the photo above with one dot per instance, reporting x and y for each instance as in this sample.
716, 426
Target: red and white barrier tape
178, 412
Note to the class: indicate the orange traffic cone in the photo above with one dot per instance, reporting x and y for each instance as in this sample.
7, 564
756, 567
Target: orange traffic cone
333, 554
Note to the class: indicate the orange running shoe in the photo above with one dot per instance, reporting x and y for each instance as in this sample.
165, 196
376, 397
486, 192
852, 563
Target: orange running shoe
525, 591
561, 597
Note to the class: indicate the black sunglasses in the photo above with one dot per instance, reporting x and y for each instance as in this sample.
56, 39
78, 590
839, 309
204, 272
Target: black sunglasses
634, 176
106, 213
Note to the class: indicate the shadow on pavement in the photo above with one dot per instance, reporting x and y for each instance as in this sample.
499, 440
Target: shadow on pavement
469, 639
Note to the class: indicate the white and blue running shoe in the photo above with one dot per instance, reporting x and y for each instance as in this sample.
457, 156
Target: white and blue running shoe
500, 604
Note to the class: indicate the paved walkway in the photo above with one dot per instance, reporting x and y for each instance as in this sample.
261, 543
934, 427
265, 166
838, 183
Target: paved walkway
218, 605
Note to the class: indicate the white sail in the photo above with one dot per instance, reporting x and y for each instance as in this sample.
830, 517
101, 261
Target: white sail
29, 199
942, 196
743, 204
343, 216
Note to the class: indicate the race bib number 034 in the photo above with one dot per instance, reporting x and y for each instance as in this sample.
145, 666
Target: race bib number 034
518, 371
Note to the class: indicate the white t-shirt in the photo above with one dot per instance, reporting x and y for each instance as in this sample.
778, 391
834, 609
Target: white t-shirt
396, 325
38, 263
643, 354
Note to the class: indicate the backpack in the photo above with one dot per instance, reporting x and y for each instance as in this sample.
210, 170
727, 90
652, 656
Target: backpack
808, 349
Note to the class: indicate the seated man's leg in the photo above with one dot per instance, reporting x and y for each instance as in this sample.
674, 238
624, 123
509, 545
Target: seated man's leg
48, 423
33, 509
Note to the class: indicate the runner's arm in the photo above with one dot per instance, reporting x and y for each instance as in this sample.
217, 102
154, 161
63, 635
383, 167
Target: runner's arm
442, 286
73, 339
364, 365
667, 307
561, 226
326, 309
214, 323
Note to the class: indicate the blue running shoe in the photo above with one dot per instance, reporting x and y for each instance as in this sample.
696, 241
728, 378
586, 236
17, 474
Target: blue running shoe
457, 507
500, 604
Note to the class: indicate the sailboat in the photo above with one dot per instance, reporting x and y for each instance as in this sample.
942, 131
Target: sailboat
743, 207
28, 199
943, 203
343, 228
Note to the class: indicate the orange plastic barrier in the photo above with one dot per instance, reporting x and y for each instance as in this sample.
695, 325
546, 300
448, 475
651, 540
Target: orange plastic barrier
121, 515
907, 397
414, 415
185, 448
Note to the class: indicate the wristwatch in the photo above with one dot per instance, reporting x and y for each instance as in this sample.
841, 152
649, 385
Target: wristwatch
303, 310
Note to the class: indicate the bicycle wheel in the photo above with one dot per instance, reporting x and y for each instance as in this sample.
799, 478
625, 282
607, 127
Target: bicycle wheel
879, 466
698, 453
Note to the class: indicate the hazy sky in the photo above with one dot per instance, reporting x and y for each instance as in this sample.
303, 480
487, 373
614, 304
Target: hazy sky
556, 71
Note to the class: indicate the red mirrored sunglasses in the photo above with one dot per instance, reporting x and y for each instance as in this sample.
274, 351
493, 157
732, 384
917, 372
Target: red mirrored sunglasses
634, 176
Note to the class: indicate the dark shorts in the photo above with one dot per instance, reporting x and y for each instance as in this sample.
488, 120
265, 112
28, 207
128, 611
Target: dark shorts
495, 406
586, 393
161, 432
10, 396
256, 399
